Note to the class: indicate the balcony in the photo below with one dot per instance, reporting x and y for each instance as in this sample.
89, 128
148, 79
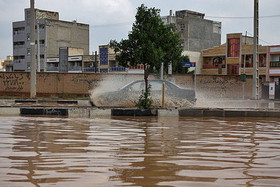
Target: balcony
211, 66
116, 69
91, 69
52, 68
75, 69
274, 64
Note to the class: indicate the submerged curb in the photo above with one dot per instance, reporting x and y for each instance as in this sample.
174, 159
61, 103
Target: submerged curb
91, 112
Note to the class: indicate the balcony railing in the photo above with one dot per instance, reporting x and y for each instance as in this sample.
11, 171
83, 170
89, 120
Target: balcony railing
211, 66
18, 46
52, 68
75, 68
91, 69
274, 63
113, 69
18, 32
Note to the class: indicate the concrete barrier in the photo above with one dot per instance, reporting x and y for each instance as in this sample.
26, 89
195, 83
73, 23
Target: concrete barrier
9, 111
95, 112
79, 112
90, 112
134, 112
44, 111
168, 112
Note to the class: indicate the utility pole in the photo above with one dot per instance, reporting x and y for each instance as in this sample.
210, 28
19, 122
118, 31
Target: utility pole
255, 90
38, 47
95, 61
33, 57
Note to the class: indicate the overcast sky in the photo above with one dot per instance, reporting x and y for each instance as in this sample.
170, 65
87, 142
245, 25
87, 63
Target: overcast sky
112, 19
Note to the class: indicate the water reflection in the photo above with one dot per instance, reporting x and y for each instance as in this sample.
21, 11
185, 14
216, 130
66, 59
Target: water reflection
139, 152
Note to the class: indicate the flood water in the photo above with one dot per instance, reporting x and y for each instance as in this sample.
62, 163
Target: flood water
39, 151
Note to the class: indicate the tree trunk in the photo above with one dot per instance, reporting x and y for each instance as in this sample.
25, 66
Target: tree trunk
146, 75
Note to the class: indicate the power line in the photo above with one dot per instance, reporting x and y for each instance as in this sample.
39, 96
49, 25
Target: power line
112, 24
260, 39
232, 17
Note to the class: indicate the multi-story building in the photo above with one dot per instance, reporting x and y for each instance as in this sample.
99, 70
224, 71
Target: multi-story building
7, 64
235, 57
51, 35
273, 75
74, 60
196, 32
1, 64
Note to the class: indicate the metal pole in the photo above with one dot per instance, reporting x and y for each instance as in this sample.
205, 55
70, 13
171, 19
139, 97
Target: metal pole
33, 57
195, 80
95, 61
163, 95
38, 47
244, 66
161, 71
255, 90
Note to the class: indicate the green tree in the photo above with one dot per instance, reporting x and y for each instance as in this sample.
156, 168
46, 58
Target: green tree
178, 68
149, 43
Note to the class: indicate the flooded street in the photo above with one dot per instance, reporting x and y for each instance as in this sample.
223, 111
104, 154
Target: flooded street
129, 151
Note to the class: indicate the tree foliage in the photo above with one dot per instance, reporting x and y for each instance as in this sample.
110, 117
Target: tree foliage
150, 43
178, 68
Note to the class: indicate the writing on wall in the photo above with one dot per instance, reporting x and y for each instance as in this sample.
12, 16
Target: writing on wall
12, 81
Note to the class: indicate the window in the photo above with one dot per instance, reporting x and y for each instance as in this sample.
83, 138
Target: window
28, 36
17, 31
137, 86
28, 51
233, 47
182, 27
262, 60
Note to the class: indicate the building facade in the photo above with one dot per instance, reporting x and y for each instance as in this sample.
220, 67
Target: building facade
273, 77
7, 64
51, 35
195, 32
74, 60
235, 57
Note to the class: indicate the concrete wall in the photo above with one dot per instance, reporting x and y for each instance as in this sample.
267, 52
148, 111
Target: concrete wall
66, 34
202, 34
17, 83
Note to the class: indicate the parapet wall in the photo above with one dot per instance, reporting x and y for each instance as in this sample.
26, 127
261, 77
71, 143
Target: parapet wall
18, 83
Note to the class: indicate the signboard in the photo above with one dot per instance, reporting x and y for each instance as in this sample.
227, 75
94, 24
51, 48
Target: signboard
52, 59
188, 64
75, 58
104, 58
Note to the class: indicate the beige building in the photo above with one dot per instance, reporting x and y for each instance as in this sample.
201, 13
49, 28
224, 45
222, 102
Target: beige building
7, 64
235, 57
1, 64
51, 35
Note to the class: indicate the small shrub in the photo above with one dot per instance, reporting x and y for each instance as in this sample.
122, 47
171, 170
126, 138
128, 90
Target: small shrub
145, 101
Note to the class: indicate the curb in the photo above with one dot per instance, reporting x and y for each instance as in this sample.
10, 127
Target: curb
91, 112
77, 102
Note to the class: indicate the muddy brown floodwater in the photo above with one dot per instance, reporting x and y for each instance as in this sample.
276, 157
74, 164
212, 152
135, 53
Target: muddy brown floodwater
39, 151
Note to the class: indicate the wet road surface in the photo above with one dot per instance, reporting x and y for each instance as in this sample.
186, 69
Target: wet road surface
166, 151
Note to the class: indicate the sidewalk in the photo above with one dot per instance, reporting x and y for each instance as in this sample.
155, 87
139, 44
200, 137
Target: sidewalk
83, 109
43, 102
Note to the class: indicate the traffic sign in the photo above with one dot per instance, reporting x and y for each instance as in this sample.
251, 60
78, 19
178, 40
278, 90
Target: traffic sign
188, 64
